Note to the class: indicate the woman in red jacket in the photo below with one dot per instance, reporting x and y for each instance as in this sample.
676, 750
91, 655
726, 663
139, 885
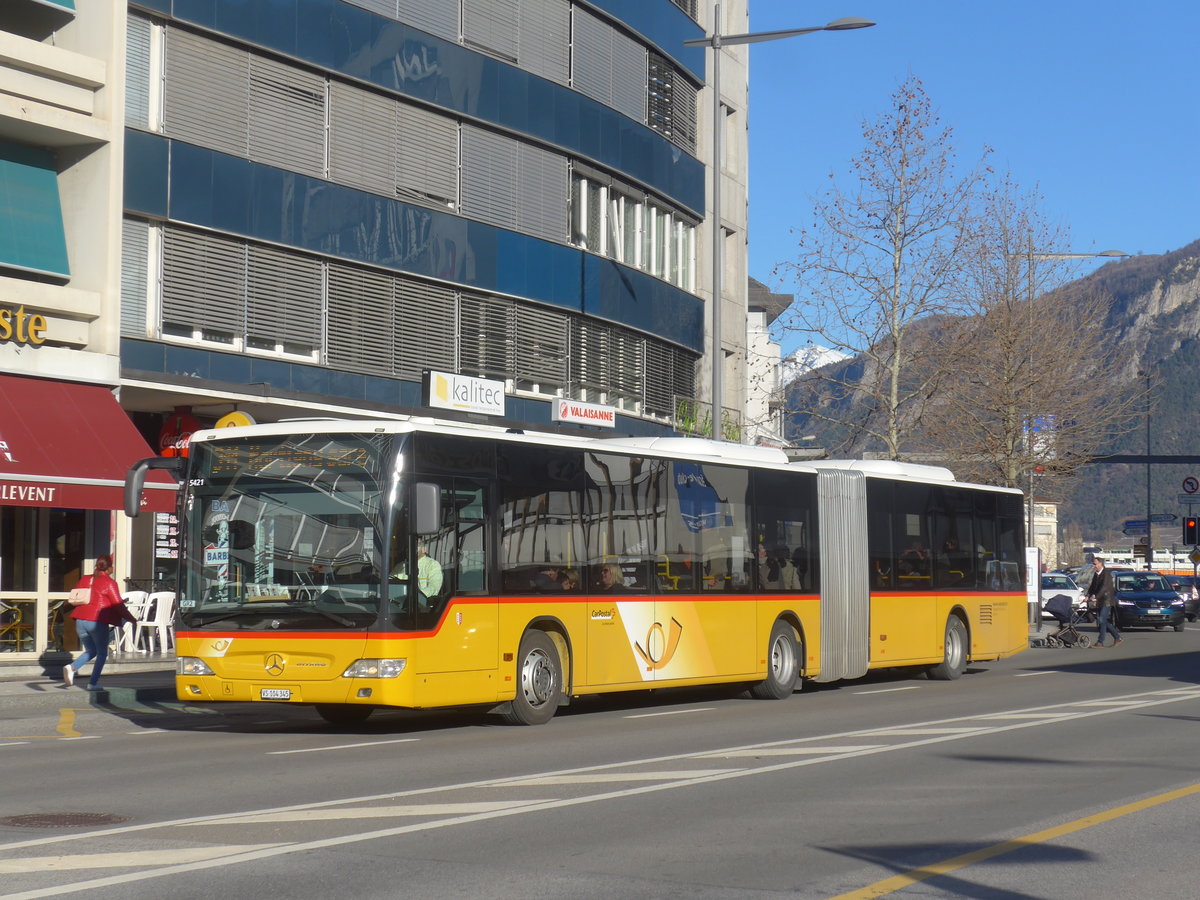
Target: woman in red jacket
94, 621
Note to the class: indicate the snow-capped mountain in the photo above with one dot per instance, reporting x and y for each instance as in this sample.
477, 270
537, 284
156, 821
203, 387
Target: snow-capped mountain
807, 358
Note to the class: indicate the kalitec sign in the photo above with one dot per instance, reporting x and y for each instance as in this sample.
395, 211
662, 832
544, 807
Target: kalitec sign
583, 413
21, 327
446, 390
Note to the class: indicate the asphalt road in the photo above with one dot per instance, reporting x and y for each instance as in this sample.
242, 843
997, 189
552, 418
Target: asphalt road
1056, 774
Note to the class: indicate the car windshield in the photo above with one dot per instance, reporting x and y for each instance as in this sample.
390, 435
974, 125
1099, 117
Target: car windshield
1142, 583
1058, 581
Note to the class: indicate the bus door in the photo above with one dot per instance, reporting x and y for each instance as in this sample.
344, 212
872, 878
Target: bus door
439, 586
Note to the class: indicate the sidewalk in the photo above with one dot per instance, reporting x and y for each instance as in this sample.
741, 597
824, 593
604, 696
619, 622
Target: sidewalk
128, 679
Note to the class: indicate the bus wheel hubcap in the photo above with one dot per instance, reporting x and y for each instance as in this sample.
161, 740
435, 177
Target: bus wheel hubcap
537, 678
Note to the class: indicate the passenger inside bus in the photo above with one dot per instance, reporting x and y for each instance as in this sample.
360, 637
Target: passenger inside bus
609, 579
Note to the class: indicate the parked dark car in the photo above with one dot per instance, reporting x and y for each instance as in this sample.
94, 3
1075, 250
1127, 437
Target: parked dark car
1185, 587
1147, 600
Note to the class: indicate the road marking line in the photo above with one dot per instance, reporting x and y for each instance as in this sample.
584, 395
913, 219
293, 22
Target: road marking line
122, 859
1032, 674
673, 712
906, 879
342, 747
789, 751
612, 777
14, 743
902, 732
149, 731
66, 723
1044, 717
373, 812
915, 687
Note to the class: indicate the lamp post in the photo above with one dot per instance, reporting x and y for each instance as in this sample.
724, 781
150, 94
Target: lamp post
715, 41
1030, 256
1149, 522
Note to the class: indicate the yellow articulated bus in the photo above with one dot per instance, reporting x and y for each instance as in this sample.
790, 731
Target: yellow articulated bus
359, 565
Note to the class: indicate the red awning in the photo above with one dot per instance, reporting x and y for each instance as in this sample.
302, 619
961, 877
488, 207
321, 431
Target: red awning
69, 446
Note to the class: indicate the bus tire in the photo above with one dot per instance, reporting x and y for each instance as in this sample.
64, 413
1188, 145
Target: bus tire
344, 713
955, 661
539, 681
783, 666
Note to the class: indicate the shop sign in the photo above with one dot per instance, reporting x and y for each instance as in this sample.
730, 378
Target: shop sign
446, 390
177, 431
583, 413
21, 327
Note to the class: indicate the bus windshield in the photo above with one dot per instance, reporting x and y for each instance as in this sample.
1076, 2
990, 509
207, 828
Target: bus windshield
285, 532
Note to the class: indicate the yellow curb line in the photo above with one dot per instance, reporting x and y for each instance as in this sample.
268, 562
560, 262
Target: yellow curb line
898, 882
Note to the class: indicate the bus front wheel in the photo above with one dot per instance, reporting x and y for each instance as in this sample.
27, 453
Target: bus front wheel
783, 667
955, 661
539, 681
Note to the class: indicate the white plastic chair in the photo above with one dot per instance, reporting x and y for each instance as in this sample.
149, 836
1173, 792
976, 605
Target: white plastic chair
157, 621
124, 636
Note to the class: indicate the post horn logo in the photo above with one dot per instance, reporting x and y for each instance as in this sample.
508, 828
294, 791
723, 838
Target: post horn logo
274, 664
660, 649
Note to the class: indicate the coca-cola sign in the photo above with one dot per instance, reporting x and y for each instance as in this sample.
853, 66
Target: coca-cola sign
177, 432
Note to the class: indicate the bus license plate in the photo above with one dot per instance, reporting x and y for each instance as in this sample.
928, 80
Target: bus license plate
275, 694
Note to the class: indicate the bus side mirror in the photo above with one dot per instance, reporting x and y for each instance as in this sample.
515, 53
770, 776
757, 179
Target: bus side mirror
136, 479
427, 508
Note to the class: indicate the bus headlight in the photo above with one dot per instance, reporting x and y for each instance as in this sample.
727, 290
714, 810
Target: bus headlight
192, 665
375, 668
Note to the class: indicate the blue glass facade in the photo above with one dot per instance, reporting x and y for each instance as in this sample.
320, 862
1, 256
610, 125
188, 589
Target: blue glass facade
183, 183
349, 40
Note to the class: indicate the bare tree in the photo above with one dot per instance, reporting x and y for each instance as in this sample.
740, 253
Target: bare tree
1036, 389
877, 267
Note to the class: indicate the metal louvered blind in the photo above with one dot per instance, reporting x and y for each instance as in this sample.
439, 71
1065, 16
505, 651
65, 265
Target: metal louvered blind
437, 17
545, 35
491, 25
589, 358
137, 72
591, 56
486, 338
629, 75
382, 7
204, 281
283, 297
672, 103
544, 339
542, 185
206, 93
135, 276
423, 332
287, 117
489, 177
362, 139
427, 156
360, 320
628, 366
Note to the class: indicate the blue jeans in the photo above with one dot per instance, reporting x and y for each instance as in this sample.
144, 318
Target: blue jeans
1104, 623
93, 637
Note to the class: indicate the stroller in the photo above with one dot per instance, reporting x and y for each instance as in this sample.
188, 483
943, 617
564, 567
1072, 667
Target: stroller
1064, 612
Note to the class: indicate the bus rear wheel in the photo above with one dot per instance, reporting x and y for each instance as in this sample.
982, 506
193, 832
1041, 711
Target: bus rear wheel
783, 667
539, 681
343, 713
955, 661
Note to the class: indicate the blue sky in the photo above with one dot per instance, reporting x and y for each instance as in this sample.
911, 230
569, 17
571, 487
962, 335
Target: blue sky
1094, 103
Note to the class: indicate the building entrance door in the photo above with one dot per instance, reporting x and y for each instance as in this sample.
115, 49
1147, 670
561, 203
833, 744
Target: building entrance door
41, 559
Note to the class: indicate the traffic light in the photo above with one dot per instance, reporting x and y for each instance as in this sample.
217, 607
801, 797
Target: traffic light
1191, 530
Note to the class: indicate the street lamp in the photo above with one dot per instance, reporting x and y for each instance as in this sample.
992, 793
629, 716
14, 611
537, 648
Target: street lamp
715, 41
1149, 522
1030, 256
